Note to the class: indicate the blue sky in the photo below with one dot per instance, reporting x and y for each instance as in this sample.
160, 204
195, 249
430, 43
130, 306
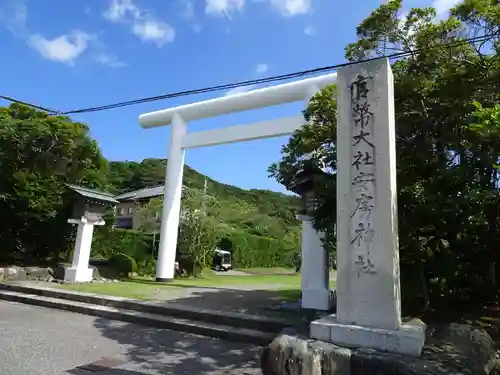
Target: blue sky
92, 52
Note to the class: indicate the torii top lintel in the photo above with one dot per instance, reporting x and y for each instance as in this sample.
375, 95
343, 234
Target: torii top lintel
260, 98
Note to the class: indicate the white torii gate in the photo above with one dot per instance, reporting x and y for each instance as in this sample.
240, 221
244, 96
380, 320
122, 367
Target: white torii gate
315, 273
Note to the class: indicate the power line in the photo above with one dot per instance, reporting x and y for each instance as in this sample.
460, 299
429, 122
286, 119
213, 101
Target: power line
8, 98
251, 82
273, 78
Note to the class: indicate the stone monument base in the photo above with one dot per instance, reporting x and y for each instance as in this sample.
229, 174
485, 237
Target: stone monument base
78, 275
408, 340
451, 349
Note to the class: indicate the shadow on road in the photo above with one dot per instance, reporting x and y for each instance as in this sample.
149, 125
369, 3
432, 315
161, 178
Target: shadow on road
241, 299
169, 352
258, 302
113, 371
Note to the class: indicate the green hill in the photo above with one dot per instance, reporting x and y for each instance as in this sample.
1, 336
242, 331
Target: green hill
259, 212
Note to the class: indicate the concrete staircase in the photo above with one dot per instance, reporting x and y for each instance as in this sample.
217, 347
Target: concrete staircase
247, 328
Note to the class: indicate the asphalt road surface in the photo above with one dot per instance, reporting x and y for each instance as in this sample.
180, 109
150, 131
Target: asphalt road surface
40, 341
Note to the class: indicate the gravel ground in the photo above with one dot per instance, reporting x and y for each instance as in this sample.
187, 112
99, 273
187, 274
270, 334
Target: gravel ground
40, 341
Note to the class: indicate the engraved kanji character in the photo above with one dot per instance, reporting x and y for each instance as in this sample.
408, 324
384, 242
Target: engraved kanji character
364, 265
362, 179
362, 233
359, 88
360, 158
362, 115
364, 204
362, 137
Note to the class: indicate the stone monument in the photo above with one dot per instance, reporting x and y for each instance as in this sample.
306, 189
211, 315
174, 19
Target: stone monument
368, 284
89, 207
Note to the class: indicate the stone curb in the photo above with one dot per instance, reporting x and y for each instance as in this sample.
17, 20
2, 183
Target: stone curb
242, 320
148, 319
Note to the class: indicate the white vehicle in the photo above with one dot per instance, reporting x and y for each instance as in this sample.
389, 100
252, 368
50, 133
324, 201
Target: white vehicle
222, 260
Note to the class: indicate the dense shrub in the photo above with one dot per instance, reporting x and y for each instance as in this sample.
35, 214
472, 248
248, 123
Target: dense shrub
107, 242
123, 264
250, 251
146, 267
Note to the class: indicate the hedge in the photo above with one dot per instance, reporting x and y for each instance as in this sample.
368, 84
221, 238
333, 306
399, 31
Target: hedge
107, 242
251, 251
248, 250
123, 264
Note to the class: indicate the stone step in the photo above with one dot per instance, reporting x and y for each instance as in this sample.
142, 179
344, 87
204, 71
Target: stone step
262, 323
226, 332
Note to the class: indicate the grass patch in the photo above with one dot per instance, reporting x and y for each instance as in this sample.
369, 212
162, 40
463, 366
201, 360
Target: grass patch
143, 289
208, 280
287, 287
147, 287
280, 281
228, 281
121, 289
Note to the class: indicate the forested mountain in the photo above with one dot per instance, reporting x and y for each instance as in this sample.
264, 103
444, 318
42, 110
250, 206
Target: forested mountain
260, 212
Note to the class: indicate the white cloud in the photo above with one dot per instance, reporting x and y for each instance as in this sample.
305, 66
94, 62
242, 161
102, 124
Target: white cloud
187, 9
121, 11
290, 8
13, 15
154, 31
223, 8
110, 60
226, 8
261, 68
443, 6
187, 12
310, 31
239, 90
143, 24
65, 48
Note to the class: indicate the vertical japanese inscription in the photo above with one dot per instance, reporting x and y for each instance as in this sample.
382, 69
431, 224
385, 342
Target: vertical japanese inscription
362, 200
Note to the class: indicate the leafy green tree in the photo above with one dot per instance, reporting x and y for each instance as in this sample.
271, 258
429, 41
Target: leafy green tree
149, 216
448, 147
197, 234
38, 155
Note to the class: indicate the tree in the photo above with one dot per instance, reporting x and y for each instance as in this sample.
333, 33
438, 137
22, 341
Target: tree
448, 147
39, 154
149, 216
197, 234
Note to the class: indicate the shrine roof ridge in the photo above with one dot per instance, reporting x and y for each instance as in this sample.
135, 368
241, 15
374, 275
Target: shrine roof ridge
149, 192
92, 193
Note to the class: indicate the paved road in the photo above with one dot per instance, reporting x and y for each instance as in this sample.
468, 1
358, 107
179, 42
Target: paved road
231, 273
39, 341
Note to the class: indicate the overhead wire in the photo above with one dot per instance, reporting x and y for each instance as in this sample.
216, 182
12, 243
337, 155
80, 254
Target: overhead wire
8, 98
253, 82
273, 78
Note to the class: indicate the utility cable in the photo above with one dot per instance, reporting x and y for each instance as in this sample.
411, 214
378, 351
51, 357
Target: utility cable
8, 98
254, 81
275, 78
